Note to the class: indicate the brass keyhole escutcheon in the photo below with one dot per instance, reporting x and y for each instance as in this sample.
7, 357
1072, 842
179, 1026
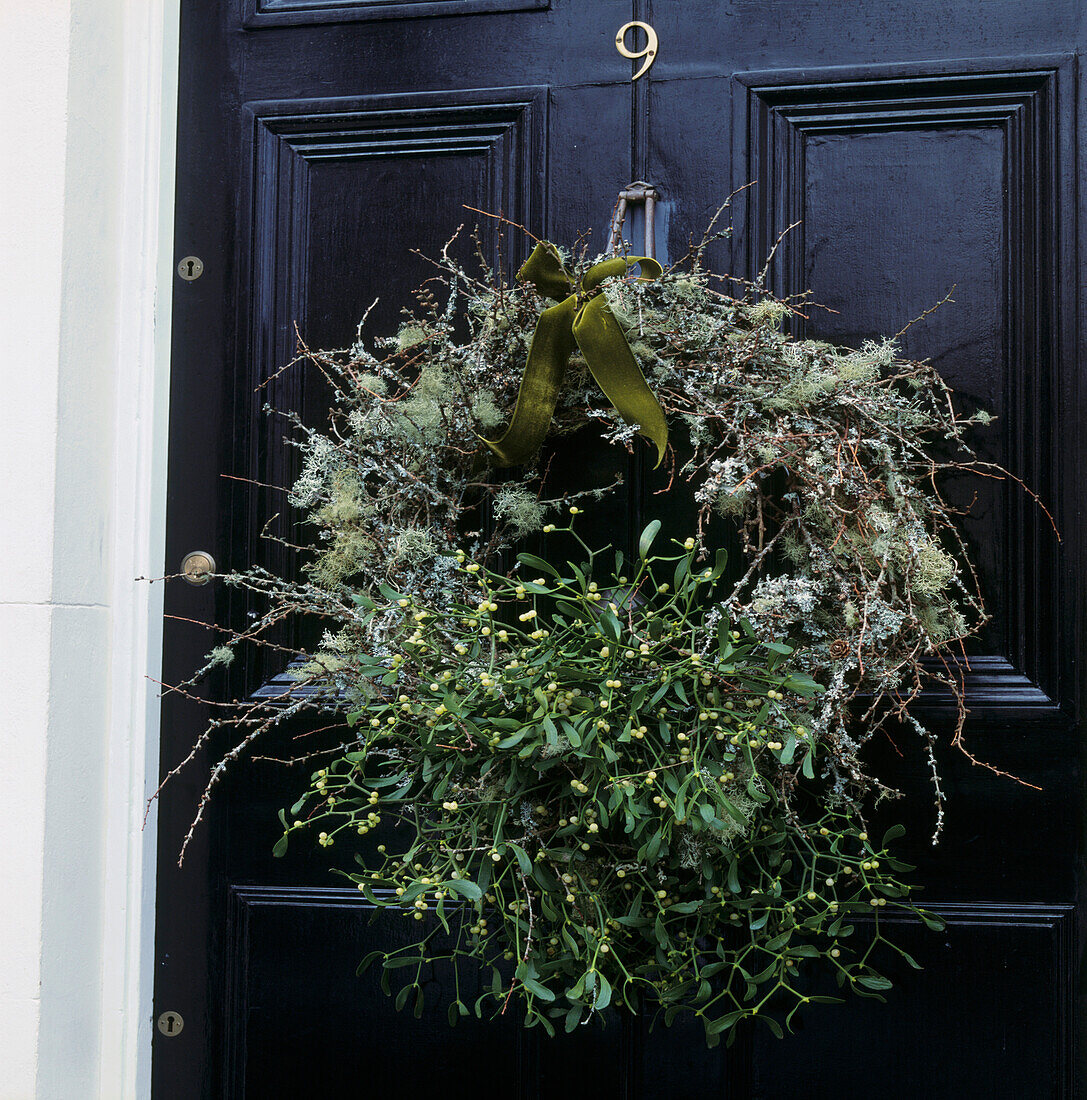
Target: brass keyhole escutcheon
197, 567
649, 52
191, 268
170, 1024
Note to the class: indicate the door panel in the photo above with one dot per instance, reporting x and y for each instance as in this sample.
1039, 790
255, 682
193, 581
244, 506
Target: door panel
320, 142
288, 976
955, 179
344, 200
978, 1023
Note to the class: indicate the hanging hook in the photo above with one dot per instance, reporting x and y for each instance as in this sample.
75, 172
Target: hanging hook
637, 192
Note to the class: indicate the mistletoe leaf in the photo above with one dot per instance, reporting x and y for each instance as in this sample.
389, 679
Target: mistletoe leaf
372, 957
538, 563
522, 858
537, 990
725, 1022
465, 888
645, 542
720, 564
875, 981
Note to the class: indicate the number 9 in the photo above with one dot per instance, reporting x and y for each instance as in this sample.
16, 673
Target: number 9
649, 52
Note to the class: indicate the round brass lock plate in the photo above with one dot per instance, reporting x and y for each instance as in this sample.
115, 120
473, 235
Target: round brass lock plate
197, 567
190, 268
170, 1024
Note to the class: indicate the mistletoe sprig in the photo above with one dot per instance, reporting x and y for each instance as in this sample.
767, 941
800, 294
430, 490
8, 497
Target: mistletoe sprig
602, 792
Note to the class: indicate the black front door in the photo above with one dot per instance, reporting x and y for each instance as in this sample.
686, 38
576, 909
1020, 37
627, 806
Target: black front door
919, 146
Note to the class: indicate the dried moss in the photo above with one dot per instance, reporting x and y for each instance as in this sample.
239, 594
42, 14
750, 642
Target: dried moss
486, 411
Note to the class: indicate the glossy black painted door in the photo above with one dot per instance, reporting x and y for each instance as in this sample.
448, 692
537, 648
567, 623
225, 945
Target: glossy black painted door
919, 146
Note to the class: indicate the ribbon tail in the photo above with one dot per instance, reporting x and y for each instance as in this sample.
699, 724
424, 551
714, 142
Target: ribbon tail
548, 354
617, 373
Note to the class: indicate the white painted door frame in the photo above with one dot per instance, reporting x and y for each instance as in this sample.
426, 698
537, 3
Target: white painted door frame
88, 105
139, 508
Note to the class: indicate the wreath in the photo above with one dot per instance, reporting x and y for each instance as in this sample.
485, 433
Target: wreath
595, 775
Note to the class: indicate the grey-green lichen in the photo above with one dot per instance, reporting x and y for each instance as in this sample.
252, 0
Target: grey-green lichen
221, 655
515, 506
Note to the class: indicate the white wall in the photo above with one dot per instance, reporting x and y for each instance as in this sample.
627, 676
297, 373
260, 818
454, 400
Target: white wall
33, 89
86, 121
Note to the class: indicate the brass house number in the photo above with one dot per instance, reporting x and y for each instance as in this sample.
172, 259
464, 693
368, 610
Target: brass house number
649, 52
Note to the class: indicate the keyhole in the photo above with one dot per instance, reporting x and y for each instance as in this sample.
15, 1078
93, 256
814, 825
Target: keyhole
190, 268
170, 1024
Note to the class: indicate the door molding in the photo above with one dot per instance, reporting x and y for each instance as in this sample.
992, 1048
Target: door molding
281, 13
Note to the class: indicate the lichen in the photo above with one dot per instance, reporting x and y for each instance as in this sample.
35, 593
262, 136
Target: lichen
769, 313
519, 509
409, 336
221, 655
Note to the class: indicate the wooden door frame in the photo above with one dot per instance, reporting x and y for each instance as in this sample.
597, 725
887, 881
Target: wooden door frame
144, 39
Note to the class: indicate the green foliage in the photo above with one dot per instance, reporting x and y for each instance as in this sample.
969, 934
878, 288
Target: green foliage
603, 789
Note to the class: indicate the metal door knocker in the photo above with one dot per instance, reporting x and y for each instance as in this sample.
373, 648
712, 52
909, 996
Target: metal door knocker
637, 192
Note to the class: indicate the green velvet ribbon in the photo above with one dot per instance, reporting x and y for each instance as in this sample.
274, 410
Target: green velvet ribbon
582, 317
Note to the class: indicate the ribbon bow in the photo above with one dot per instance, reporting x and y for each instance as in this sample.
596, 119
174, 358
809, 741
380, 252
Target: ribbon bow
582, 317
